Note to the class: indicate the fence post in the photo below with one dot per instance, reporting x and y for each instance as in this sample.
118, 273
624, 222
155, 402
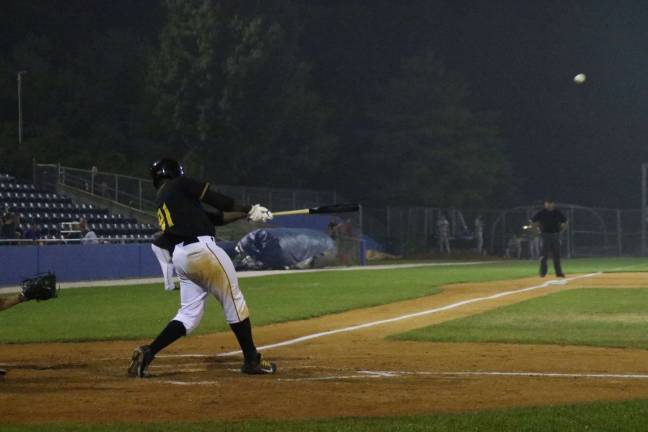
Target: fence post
572, 231
619, 233
569, 234
363, 249
504, 235
116, 188
426, 234
140, 193
388, 222
644, 213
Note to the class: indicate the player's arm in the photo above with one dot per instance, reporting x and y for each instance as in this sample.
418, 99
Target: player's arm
255, 213
563, 223
211, 196
219, 218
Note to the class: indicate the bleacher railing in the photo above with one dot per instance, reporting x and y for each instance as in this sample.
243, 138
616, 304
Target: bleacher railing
139, 193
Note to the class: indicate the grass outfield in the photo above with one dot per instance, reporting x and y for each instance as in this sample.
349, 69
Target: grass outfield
133, 312
594, 317
603, 416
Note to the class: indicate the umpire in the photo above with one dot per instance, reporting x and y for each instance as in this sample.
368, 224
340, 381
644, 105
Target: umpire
551, 223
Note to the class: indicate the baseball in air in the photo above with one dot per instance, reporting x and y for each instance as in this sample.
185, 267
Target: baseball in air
580, 78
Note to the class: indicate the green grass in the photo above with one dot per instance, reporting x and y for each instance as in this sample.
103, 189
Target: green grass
592, 417
133, 312
593, 317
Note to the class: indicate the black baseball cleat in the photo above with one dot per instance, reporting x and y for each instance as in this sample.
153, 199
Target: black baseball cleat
560, 275
140, 361
259, 366
3, 372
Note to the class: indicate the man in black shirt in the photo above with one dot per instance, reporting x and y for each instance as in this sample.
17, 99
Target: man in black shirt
202, 267
551, 223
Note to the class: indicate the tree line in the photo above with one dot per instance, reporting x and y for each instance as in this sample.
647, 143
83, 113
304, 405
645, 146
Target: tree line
289, 94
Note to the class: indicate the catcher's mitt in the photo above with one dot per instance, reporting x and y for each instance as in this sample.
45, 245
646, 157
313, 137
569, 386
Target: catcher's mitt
40, 287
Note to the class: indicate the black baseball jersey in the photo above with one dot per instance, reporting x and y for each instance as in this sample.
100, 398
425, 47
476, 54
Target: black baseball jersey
549, 220
181, 214
179, 211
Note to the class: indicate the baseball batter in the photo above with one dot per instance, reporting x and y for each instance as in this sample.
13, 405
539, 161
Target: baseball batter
202, 267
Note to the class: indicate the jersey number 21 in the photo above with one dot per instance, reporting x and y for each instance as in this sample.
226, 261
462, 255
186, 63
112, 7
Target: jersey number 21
164, 217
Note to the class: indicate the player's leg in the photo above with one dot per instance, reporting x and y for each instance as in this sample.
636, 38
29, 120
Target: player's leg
555, 253
192, 307
543, 258
223, 283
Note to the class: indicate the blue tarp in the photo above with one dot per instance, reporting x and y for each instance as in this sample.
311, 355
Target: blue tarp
284, 247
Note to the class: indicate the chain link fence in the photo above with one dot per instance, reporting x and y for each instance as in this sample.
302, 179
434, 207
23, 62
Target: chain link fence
139, 193
415, 231
399, 231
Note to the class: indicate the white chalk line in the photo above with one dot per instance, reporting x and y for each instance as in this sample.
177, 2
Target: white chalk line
403, 374
414, 315
369, 374
190, 383
182, 356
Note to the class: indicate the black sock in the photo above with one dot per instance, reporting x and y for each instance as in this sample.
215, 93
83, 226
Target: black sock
172, 332
243, 332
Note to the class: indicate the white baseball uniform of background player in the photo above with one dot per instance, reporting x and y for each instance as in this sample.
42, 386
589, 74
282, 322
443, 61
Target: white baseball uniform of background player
166, 264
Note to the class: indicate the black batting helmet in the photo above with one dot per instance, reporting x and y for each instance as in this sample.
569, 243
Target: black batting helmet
165, 168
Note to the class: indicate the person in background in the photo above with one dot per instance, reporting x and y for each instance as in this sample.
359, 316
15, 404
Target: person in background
33, 232
533, 235
332, 228
9, 224
443, 233
551, 223
514, 247
479, 234
88, 236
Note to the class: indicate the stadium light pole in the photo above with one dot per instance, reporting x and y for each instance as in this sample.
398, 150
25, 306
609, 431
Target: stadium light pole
20, 131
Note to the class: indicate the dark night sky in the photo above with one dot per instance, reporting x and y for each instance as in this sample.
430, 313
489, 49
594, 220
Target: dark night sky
580, 144
520, 59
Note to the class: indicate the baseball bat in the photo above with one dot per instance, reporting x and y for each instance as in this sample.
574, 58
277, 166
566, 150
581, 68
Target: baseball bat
334, 208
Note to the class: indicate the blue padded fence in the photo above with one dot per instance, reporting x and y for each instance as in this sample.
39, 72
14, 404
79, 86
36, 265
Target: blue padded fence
78, 262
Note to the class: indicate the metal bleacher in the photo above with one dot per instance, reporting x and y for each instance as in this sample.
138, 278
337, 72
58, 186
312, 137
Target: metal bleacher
55, 213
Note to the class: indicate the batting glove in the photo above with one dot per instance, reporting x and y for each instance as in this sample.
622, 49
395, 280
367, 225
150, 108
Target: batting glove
259, 213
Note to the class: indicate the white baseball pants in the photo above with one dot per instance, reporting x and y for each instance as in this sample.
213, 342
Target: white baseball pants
204, 268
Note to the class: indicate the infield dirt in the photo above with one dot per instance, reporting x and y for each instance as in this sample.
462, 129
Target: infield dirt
356, 373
